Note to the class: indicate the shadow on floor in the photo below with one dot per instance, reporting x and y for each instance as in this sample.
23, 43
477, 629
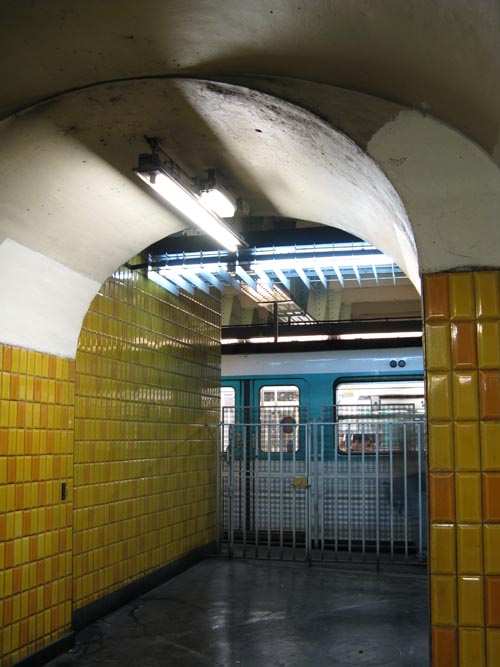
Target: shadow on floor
237, 613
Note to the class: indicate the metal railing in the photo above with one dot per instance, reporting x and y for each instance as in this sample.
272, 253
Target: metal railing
344, 491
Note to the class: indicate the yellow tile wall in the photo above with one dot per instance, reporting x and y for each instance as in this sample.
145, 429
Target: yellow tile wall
462, 350
36, 457
147, 378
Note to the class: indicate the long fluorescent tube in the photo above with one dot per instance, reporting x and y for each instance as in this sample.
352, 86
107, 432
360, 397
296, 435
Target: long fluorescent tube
217, 202
190, 205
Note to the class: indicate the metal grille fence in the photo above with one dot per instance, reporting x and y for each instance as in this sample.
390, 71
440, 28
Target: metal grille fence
333, 497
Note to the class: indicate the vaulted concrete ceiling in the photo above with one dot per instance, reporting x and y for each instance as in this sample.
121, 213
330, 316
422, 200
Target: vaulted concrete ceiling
381, 118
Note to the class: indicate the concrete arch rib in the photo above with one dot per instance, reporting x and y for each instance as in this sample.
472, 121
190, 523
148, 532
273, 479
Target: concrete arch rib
72, 212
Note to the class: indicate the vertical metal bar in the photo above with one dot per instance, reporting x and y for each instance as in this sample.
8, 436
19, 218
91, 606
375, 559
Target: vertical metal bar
322, 491
294, 504
269, 495
363, 494
377, 493
231, 450
336, 487
391, 491
405, 491
420, 548
258, 433
308, 495
281, 489
314, 487
349, 492
243, 462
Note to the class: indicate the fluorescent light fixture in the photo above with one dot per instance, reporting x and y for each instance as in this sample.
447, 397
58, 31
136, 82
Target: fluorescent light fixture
373, 336
152, 172
218, 202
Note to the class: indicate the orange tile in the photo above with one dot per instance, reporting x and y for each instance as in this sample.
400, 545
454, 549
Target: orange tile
468, 497
490, 445
461, 286
440, 447
437, 346
489, 394
465, 396
444, 647
467, 446
441, 498
492, 601
463, 345
488, 344
491, 497
439, 396
470, 548
487, 294
435, 295
470, 601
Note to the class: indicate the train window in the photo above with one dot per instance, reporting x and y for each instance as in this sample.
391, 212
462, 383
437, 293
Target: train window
279, 416
227, 413
379, 416
227, 404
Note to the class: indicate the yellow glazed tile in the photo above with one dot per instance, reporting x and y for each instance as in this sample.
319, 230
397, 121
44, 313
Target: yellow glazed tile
443, 600
491, 549
468, 497
487, 294
461, 287
470, 601
492, 591
465, 396
490, 445
470, 548
472, 646
439, 396
467, 446
488, 344
437, 346
442, 549
493, 647
440, 447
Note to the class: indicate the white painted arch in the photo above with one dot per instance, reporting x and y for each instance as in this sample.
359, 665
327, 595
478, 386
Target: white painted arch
71, 209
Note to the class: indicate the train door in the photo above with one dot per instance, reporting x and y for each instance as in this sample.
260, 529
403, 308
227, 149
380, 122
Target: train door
370, 493
265, 468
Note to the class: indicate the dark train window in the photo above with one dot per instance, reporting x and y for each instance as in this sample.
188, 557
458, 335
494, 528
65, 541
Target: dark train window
279, 416
379, 417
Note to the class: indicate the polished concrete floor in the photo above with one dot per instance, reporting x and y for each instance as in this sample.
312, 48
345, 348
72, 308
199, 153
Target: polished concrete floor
224, 613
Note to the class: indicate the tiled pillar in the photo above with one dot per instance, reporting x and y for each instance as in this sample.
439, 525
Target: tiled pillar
462, 343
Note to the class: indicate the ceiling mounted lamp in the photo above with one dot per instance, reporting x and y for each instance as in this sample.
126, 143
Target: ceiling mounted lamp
216, 198
164, 177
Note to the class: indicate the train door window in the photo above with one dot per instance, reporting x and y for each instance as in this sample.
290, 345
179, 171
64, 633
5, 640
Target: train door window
227, 404
279, 415
227, 410
379, 416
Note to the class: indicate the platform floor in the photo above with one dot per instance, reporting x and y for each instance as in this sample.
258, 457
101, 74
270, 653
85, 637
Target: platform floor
237, 613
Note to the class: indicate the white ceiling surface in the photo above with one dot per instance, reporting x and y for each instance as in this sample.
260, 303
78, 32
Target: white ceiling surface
66, 188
